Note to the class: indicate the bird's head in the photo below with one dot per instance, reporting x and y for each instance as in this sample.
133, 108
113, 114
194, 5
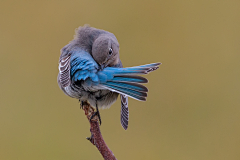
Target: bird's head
105, 50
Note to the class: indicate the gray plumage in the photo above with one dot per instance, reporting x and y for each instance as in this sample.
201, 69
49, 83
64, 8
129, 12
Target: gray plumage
88, 71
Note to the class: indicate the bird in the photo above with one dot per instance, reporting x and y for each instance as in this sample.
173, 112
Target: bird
91, 71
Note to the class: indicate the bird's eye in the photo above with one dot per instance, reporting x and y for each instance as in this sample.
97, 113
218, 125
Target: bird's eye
110, 51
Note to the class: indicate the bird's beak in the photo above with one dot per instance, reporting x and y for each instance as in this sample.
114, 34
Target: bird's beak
102, 66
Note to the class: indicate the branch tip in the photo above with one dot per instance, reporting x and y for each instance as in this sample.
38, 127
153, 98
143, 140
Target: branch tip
96, 136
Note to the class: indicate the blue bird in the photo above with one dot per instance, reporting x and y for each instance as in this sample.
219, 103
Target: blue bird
90, 70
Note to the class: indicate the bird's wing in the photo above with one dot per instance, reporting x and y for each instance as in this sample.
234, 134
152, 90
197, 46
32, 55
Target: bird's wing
83, 67
64, 71
124, 111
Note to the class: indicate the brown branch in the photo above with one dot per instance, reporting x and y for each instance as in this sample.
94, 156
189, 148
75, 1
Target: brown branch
96, 136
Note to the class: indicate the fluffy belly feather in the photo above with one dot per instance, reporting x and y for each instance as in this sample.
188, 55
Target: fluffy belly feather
102, 98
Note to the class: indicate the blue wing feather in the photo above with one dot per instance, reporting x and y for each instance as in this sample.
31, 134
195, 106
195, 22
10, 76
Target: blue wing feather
121, 80
83, 66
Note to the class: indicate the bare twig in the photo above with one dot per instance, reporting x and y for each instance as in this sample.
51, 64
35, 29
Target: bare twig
96, 136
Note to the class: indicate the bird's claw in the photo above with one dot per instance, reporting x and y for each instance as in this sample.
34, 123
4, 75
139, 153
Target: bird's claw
98, 115
81, 104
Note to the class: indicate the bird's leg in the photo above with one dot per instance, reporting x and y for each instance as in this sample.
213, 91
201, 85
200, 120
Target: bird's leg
97, 113
81, 104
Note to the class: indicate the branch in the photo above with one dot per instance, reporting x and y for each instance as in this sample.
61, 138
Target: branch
96, 136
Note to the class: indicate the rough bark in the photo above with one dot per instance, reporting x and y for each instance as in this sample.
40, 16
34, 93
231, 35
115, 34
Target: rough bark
96, 136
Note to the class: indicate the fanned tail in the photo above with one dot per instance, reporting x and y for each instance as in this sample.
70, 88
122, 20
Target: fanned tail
125, 80
151, 67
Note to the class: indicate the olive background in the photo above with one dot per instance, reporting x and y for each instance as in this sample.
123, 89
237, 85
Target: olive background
193, 106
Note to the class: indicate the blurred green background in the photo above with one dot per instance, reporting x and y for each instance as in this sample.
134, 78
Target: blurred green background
193, 108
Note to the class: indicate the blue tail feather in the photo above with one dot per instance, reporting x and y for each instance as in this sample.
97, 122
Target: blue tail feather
121, 80
148, 65
125, 71
133, 86
128, 92
144, 69
129, 78
125, 81
151, 67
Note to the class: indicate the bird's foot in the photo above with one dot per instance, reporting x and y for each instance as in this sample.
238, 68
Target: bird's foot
97, 113
81, 104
